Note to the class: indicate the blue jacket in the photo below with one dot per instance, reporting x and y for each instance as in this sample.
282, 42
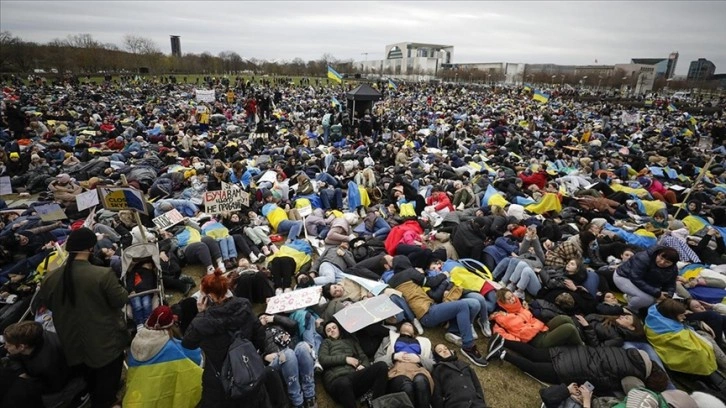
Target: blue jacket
502, 248
643, 272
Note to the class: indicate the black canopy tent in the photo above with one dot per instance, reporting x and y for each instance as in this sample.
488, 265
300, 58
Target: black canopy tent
362, 99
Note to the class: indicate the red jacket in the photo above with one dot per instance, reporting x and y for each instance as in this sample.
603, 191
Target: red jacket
539, 179
439, 200
517, 323
112, 144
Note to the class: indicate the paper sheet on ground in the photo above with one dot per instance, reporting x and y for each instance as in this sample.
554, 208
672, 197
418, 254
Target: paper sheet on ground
50, 212
297, 299
371, 286
366, 312
5, 186
87, 199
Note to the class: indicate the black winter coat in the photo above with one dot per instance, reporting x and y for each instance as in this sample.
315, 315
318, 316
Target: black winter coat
210, 330
457, 386
599, 334
643, 272
604, 367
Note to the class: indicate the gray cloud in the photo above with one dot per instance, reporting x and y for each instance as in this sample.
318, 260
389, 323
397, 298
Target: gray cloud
535, 32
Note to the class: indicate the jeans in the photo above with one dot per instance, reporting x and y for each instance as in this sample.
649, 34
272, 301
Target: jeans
380, 229
526, 278
592, 282
483, 306
328, 179
637, 299
257, 235
297, 371
331, 198
60, 233
291, 228
500, 271
141, 308
456, 313
310, 335
226, 245
328, 273
407, 314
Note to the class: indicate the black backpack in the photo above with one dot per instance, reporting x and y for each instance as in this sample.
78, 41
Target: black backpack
242, 369
363, 248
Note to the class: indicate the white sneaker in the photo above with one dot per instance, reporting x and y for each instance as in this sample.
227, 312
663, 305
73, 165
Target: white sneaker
473, 333
520, 294
453, 338
278, 291
253, 258
486, 328
417, 324
220, 266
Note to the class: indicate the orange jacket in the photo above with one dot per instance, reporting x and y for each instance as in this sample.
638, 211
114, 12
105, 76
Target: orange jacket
517, 323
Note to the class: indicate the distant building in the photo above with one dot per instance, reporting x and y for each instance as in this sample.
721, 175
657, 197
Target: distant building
665, 67
407, 58
175, 46
701, 70
509, 72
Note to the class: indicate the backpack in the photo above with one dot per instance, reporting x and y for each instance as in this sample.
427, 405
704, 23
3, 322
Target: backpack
363, 248
242, 370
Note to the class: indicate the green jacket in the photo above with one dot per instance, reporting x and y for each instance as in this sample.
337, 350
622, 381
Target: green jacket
93, 332
332, 355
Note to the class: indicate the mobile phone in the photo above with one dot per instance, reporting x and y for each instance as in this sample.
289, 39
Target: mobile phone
589, 386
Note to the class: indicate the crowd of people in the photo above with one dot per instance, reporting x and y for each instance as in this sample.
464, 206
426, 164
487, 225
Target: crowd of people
579, 240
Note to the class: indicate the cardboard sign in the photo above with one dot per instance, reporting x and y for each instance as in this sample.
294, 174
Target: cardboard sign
366, 312
372, 286
204, 95
121, 198
168, 219
297, 299
87, 199
230, 198
5, 186
50, 212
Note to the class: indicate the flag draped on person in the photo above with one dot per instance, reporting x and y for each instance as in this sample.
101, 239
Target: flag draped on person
334, 75
672, 107
392, 84
540, 96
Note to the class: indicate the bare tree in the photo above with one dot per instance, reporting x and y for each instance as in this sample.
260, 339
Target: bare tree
137, 44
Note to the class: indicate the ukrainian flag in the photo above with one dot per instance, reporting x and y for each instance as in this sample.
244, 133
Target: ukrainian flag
695, 223
540, 96
527, 88
334, 102
493, 197
672, 108
392, 85
334, 75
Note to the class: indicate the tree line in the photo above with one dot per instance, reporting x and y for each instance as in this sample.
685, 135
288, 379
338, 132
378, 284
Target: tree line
81, 54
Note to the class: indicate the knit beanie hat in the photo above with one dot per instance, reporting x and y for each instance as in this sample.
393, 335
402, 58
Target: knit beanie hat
161, 318
81, 239
63, 178
678, 399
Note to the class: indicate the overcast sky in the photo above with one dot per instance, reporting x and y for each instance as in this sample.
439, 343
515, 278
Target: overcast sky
534, 32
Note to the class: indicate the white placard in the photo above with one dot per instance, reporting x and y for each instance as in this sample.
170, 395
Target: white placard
5, 186
230, 198
168, 219
87, 199
297, 299
204, 95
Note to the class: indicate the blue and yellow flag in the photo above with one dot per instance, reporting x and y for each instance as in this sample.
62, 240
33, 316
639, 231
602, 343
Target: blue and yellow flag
527, 88
540, 96
648, 102
334, 102
672, 108
392, 85
492, 196
334, 75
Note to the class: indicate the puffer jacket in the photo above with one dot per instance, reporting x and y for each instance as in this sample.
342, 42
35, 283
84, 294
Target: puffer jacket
457, 386
600, 334
517, 323
603, 367
210, 330
643, 272
410, 283
332, 355
279, 324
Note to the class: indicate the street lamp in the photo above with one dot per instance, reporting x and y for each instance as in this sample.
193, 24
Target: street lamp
599, 80
562, 77
553, 79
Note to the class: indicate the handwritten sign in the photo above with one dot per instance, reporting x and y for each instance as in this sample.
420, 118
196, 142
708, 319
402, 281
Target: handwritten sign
50, 212
5, 186
121, 198
366, 312
297, 299
168, 219
87, 199
230, 198
204, 95
370, 285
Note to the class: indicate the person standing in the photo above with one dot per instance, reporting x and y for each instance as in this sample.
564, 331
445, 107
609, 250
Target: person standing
87, 302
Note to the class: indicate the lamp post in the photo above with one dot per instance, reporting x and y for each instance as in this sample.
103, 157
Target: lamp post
599, 80
582, 81
553, 79
562, 78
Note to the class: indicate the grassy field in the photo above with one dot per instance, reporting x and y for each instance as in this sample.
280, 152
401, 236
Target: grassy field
504, 385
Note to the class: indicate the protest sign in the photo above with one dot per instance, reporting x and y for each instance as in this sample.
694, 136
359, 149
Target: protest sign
121, 198
5, 186
297, 299
230, 198
372, 286
168, 219
50, 212
87, 199
204, 95
366, 312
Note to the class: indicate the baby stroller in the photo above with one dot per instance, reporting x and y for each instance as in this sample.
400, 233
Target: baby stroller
138, 254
